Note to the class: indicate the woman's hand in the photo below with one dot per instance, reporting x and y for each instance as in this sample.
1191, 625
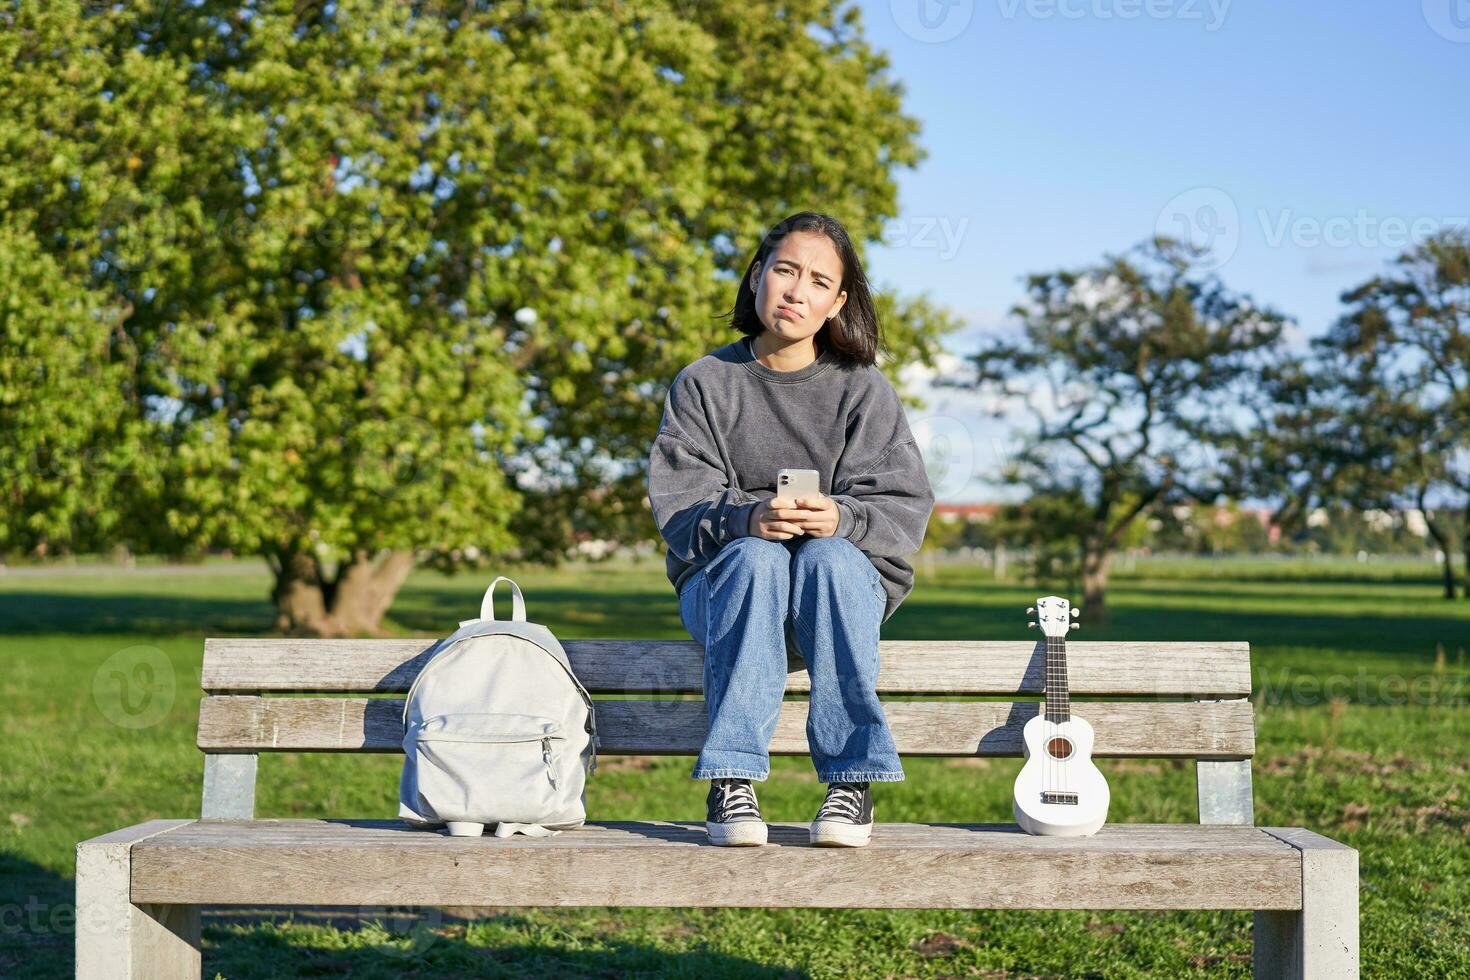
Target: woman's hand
777, 519
821, 519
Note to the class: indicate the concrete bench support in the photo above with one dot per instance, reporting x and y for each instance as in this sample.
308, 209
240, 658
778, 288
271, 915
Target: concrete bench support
117, 940
1321, 941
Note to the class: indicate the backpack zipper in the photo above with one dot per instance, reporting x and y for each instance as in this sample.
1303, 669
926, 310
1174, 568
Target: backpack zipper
546, 758
445, 645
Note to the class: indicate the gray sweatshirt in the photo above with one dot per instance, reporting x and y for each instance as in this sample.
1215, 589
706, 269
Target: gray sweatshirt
730, 423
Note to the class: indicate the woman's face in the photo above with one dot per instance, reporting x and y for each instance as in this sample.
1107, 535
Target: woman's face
800, 286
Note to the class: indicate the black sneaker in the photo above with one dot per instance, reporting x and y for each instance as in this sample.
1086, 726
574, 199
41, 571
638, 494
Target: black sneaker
846, 816
732, 816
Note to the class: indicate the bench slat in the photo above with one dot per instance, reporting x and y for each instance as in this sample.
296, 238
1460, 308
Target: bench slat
670, 864
1206, 729
1002, 667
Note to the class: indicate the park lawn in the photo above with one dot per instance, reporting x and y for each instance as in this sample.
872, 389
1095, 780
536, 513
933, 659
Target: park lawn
1362, 735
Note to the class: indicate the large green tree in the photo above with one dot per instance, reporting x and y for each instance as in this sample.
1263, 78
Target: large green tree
64, 427
1382, 418
1129, 376
1406, 340
82, 161
1377, 415
1331, 433
409, 279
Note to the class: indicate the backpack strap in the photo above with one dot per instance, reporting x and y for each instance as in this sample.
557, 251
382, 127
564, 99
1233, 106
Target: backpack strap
518, 601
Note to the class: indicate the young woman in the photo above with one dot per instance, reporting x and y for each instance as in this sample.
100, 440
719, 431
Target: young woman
760, 577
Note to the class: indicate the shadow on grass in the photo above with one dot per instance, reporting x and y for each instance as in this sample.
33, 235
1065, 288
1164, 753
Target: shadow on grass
37, 920
428, 612
38, 935
619, 612
1282, 592
1429, 576
430, 943
593, 611
75, 614
1409, 637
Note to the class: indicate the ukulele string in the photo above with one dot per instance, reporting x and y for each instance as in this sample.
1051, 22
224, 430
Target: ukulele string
1061, 731
1045, 759
1051, 728
1064, 776
1046, 723
1051, 678
1062, 767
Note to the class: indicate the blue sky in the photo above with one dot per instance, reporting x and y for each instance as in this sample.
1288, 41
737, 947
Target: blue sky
1307, 142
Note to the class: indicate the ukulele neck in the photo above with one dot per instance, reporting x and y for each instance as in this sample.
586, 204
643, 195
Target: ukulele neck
1058, 703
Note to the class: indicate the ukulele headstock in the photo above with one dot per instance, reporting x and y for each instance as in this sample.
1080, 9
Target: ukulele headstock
1054, 615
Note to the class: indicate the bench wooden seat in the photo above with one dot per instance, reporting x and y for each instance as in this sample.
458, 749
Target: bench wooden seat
139, 889
659, 863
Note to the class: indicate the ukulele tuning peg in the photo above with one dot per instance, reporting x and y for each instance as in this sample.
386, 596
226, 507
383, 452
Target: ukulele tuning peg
1030, 610
1031, 625
1074, 625
1076, 612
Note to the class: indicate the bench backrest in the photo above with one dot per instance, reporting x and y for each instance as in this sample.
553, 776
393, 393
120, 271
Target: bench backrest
1159, 700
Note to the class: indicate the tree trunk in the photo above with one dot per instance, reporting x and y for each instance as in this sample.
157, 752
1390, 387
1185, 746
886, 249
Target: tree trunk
1095, 561
1442, 538
301, 606
352, 604
1466, 543
365, 589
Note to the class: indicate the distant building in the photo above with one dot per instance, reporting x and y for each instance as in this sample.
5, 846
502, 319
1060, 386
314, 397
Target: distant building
969, 513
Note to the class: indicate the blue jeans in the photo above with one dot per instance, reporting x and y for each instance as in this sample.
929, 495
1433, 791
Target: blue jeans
759, 601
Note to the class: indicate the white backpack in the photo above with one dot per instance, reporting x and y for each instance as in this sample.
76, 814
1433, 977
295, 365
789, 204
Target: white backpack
498, 730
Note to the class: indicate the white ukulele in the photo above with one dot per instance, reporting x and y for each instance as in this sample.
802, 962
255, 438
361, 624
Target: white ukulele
1059, 792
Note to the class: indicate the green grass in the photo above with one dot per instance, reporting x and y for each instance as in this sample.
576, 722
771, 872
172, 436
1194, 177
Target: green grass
1362, 736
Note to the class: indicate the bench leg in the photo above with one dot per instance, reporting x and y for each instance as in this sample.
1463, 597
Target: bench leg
229, 787
1224, 791
117, 940
1320, 941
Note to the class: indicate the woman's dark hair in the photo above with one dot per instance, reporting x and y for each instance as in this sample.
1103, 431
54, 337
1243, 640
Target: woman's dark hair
852, 335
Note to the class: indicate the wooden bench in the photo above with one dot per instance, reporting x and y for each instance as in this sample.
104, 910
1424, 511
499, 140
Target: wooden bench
139, 890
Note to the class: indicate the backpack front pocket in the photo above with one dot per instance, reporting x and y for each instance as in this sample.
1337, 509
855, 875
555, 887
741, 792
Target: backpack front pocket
487, 768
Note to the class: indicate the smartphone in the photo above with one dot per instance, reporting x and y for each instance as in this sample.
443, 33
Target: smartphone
792, 484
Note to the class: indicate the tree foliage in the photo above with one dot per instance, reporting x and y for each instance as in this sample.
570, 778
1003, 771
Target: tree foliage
397, 282
1131, 375
71, 181
1379, 417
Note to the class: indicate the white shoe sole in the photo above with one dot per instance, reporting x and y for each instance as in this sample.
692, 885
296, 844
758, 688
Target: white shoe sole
835, 833
737, 833
465, 828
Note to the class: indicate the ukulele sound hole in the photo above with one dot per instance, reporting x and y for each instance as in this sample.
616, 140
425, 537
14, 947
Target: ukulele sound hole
1058, 748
